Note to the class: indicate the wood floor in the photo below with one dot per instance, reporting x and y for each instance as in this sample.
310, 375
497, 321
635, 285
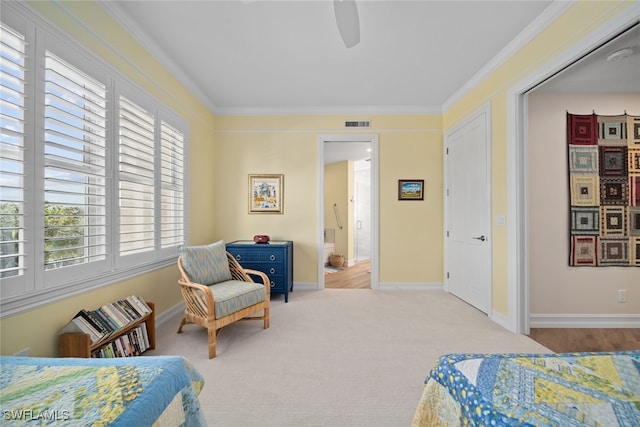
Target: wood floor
358, 276
559, 340
569, 340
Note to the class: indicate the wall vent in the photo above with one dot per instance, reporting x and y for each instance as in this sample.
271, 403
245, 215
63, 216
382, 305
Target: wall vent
357, 123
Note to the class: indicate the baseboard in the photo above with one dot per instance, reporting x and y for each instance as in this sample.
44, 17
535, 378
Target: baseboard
168, 314
410, 286
584, 321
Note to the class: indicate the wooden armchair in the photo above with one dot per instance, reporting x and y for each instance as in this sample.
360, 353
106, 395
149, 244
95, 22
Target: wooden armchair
231, 294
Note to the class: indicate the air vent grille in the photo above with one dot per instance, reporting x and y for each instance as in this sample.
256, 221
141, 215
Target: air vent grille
357, 123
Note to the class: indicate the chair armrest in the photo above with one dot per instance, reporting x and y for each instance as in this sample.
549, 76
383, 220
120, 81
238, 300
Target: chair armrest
198, 298
263, 276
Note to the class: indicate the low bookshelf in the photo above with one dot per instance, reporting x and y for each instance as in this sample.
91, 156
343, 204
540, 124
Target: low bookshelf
78, 344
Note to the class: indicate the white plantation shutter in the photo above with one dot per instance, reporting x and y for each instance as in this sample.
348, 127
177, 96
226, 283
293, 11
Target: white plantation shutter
172, 186
92, 186
12, 145
74, 166
136, 179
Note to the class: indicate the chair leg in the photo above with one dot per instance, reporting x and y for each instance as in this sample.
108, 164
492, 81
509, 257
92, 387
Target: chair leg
212, 342
266, 318
182, 323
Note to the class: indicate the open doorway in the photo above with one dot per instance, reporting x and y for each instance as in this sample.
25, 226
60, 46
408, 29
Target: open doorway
568, 72
348, 212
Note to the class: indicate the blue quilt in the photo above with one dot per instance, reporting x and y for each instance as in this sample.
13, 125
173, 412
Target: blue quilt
571, 389
132, 391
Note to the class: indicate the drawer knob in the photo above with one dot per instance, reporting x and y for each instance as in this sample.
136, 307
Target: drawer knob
272, 257
238, 257
272, 270
273, 284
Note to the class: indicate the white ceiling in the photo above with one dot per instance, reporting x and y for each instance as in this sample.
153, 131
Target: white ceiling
265, 56
286, 57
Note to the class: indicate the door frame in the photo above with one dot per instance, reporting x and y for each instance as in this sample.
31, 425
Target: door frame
486, 111
373, 140
518, 317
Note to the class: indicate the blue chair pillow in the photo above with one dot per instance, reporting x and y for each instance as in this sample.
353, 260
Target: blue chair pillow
206, 264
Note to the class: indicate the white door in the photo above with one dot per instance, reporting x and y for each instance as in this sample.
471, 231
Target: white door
468, 264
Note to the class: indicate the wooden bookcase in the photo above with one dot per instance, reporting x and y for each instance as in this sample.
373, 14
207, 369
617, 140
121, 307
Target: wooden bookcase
79, 344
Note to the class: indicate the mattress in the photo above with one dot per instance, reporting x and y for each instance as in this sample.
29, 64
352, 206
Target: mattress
571, 389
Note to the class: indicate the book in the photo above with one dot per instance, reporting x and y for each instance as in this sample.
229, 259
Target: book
140, 303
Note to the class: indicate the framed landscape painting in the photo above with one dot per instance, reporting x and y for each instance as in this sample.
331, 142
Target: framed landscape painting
411, 189
266, 193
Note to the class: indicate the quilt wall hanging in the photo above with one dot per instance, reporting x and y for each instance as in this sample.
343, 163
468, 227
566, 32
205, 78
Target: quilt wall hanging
604, 190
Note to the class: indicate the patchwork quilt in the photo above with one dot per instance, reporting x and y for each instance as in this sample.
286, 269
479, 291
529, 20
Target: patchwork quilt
572, 389
132, 391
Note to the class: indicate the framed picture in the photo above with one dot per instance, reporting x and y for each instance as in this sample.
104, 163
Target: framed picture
266, 193
411, 189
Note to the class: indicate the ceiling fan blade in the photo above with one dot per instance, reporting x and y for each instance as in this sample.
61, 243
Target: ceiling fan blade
348, 21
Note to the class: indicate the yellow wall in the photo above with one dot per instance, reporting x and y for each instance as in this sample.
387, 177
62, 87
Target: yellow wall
37, 329
337, 190
581, 19
410, 146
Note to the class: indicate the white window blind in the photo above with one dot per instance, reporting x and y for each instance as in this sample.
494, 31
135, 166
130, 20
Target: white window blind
12, 129
172, 183
136, 178
74, 166
92, 187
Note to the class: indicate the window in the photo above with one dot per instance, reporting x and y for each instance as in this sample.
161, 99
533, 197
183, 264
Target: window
91, 169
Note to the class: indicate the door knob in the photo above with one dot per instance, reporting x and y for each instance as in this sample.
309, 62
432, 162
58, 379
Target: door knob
481, 238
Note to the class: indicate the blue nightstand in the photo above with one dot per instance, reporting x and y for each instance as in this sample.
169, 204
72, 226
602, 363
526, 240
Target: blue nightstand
274, 258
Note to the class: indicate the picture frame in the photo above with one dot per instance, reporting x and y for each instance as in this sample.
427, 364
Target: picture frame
411, 189
266, 193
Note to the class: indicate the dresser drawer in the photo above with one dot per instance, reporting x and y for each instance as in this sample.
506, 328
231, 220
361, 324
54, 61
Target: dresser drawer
275, 259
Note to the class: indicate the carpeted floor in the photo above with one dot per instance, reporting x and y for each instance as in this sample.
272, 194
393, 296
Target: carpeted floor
336, 357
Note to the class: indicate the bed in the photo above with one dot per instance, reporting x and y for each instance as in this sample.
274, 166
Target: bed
140, 391
571, 389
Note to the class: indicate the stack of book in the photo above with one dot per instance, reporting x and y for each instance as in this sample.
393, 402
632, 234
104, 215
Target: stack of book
133, 343
111, 318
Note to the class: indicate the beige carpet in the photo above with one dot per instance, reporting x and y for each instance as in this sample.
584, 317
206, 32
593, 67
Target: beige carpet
336, 357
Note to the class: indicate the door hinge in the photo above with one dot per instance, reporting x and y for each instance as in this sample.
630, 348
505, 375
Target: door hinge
447, 233
447, 150
447, 274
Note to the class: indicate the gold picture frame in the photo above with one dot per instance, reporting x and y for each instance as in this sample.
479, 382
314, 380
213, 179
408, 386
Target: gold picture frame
266, 193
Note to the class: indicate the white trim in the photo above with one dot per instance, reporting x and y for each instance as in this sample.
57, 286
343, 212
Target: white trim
411, 286
517, 197
167, 315
375, 205
585, 321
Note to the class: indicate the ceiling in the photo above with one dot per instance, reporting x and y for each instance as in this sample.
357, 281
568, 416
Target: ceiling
266, 56
287, 57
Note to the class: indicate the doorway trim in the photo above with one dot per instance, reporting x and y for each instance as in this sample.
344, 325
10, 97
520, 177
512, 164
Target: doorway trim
373, 140
518, 317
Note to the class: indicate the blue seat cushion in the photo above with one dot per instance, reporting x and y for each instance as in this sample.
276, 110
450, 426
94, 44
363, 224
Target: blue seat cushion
234, 295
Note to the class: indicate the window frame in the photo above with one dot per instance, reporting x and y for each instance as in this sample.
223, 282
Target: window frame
37, 287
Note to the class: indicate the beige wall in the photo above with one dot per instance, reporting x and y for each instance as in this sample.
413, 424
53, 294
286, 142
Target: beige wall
338, 189
556, 288
409, 147
38, 329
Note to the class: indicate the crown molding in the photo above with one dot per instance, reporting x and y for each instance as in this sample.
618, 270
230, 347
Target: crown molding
549, 15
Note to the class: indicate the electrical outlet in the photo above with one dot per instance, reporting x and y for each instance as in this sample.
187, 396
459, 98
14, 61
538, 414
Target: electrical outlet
622, 295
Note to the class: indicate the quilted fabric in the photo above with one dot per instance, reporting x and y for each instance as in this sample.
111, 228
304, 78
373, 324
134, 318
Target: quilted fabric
543, 390
206, 264
126, 391
234, 295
